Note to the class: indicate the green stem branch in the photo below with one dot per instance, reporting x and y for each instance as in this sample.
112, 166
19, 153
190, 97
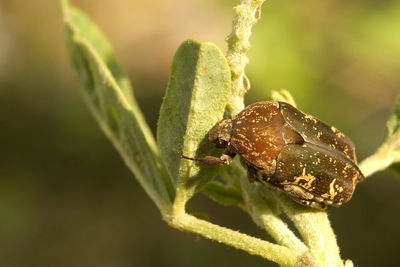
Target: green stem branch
386, 155
261, 205
281, 232
376, 162
276, 253
316, 231
247, 14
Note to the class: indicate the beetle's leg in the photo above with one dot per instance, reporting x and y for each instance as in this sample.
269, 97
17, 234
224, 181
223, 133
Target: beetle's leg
297, 192
302, 196
251, 174
251, 171
227, 157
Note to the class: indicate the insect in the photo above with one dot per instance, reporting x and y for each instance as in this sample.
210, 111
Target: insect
286, 149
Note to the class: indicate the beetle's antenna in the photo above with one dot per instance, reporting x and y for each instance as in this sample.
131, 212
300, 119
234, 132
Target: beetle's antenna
207, 159
194, 159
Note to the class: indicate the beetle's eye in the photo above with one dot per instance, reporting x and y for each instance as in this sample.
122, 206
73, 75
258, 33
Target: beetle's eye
221, 133
213, 135
222, 143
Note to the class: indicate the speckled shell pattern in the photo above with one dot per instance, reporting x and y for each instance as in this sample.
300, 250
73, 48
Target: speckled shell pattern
288, 149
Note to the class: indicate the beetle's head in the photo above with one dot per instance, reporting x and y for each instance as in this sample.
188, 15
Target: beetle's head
220, 134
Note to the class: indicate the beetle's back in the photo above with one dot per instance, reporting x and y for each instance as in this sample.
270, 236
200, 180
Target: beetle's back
317, 132
257, 134
319, 171
281, 146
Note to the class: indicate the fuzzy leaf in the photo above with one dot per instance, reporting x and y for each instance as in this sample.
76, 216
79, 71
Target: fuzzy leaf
224, 194
195, 101
110, 98
86, 29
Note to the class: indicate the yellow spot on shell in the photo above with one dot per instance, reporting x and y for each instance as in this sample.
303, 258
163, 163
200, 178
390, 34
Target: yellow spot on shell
332, 191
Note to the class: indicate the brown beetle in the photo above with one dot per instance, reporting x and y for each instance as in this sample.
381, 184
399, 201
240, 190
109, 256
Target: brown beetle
282, 147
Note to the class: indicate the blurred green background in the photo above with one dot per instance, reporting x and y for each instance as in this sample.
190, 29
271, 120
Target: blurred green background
66, 198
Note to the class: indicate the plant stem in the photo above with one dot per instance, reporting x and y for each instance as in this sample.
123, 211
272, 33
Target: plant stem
247, 14
316, 231
376, 162
385, 156
279, 254
264, 211
388, 153
281, 232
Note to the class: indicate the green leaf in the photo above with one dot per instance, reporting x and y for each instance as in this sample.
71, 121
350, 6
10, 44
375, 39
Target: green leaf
86, 29
224, 194
195, 101
110, 98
